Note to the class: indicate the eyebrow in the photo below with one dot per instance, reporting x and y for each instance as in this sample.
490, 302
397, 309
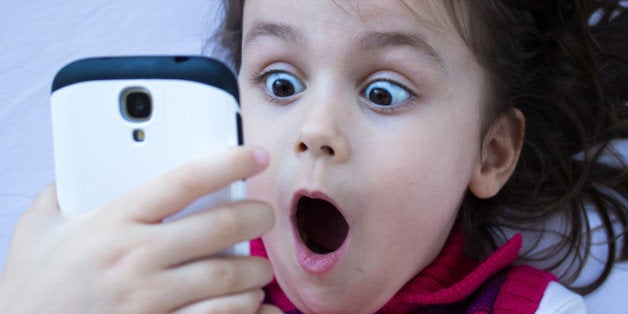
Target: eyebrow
282, 31
378, 40
368, 41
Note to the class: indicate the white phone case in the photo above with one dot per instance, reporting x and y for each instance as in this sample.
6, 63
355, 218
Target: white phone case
100, 153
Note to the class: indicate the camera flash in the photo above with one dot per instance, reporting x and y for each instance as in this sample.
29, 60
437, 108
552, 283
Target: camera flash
138, 135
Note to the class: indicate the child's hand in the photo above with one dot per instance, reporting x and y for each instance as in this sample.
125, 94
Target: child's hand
122, 259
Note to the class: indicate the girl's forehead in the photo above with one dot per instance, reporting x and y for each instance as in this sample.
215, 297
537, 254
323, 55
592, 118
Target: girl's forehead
424, 26
429, 14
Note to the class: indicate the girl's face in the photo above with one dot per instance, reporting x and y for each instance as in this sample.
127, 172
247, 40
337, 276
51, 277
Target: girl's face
371, 111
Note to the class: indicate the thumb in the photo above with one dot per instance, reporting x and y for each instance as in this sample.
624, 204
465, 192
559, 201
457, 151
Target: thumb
44, 209
36, 220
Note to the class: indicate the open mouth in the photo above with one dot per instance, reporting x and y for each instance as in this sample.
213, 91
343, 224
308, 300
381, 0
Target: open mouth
321, 226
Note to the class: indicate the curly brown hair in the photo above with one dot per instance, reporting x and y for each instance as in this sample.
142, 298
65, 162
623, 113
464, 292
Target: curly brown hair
564, 65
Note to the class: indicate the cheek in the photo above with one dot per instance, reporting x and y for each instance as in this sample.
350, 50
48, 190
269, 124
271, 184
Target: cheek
434, 165
426, 192
262, 129
415, 190
413, 207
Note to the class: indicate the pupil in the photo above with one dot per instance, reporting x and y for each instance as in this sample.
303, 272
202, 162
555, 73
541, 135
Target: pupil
283, 88
380, 96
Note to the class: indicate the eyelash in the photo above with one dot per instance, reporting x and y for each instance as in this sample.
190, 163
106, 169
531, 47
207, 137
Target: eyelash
260, 77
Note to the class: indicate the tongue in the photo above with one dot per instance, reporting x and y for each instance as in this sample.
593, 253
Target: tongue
323, 228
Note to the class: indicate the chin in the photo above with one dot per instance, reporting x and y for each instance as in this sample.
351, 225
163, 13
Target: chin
330, 294
333, 304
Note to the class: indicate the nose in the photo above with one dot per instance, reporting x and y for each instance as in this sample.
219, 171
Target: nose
320, 134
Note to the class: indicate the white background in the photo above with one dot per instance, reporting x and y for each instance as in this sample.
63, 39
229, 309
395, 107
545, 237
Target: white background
39, 37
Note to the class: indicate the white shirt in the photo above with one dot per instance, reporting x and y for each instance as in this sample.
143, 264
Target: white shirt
558, 299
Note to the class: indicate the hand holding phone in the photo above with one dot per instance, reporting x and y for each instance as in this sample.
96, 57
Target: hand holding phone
125, 130
121, 258
119, 121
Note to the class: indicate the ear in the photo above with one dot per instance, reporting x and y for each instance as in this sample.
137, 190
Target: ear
500, 153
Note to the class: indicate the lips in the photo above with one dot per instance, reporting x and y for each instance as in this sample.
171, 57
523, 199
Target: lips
322, 228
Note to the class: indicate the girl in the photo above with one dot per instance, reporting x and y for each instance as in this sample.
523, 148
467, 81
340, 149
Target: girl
389, 123
400, 136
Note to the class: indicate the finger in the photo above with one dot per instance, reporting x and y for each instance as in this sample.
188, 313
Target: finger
268, 309
214, 277
209, 232
169, 193
246, 302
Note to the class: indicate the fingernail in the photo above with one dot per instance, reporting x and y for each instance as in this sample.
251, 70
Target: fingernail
261, 156
262, 296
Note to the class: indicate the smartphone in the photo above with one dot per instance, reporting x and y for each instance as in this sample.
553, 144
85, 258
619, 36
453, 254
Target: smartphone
119, 121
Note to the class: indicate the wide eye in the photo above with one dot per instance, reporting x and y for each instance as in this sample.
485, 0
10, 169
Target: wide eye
282, 84
386, 93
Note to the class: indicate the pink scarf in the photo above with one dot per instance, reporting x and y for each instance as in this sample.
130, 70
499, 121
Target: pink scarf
452, 278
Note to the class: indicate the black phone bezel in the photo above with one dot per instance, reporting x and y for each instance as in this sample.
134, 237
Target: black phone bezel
191, 68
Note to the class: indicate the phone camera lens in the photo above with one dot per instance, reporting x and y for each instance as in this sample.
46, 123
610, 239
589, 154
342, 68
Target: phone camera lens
137, 105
